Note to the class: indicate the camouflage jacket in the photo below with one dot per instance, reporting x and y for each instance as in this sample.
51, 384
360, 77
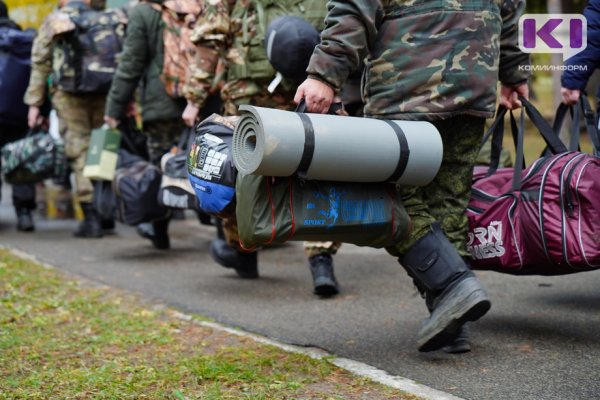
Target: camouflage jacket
228, 44
43, 48
425, 59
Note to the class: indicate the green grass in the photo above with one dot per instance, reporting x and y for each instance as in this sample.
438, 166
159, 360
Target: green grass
66, 339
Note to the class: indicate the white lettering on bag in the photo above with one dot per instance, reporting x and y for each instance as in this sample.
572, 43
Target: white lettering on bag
486, 243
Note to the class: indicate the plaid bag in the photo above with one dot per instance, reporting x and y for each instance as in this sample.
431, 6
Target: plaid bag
36, 157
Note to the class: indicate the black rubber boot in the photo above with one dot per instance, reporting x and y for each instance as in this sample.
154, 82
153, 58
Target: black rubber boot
160, 238
461, 343
25, 220
457, 296
145, 230
107, 224
321, 268
245, 264
91, 226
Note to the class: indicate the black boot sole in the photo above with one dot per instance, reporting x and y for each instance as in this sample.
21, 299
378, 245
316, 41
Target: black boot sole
325, 288
448, 336
465, 301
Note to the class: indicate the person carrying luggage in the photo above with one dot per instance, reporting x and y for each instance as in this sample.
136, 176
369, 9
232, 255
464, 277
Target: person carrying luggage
440, 63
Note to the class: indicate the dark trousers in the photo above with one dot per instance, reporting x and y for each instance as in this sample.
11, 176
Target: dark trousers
23, 194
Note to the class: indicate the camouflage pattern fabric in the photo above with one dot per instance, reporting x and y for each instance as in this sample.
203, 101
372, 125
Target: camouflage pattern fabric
85, 53
81, 114
41, 61
162, 136
33, 159
315, 248
229, 39
210, 35
230, 45
424, 59
179, 18
46, 57
445, 199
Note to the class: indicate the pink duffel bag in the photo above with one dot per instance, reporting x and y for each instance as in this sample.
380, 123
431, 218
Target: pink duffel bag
544, 219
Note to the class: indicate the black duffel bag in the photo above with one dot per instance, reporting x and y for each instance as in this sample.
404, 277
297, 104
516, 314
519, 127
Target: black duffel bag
136, 187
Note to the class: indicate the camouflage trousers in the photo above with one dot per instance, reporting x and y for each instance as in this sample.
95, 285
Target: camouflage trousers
80, 114
162, 136
445, 199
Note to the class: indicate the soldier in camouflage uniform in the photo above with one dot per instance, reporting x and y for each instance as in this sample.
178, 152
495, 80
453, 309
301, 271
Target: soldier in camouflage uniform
141, 64
437, 61
231, 57
80, 112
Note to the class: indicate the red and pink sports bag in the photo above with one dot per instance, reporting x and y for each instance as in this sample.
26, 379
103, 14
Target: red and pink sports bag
544, 219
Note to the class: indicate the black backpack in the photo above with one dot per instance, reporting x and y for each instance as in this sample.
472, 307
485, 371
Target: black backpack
85, 58
15, 68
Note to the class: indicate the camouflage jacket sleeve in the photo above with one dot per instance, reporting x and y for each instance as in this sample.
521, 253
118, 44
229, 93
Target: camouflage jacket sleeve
511, 57
133, 61
351, 28
41, 67
211, 36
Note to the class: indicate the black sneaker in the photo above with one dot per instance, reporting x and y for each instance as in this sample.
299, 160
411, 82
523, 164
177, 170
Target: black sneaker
321, 268
25, 221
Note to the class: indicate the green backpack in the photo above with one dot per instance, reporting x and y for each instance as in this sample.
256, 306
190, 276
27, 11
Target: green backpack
255, 17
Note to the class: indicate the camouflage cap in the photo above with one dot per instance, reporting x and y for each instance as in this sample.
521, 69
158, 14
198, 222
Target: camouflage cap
289, 42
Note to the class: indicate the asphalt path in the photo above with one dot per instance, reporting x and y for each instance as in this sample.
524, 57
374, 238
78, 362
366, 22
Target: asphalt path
539, 341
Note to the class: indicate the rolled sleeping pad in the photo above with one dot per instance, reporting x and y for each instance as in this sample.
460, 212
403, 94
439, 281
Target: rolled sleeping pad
272, 142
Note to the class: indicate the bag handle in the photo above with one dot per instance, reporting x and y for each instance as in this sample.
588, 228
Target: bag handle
496, 131
184, 139
36, 129
309, 136
333, 108
559, 120
554, 143
575, 110
519, 130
